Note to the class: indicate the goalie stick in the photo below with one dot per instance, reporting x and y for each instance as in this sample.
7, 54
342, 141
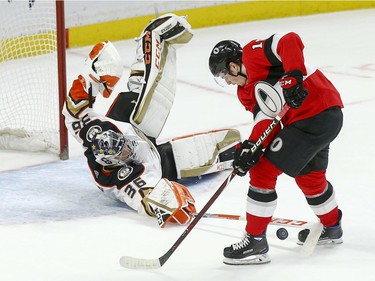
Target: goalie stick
275, 220
141, 263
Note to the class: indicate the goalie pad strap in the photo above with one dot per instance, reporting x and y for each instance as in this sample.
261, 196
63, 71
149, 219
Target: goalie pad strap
171, 28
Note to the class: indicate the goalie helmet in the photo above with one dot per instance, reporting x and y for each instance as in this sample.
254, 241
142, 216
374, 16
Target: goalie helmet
222, 54
111, 148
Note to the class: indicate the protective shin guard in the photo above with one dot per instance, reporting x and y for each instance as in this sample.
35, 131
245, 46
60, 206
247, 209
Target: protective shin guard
261, 204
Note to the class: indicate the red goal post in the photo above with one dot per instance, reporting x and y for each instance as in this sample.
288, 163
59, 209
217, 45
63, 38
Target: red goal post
33, 76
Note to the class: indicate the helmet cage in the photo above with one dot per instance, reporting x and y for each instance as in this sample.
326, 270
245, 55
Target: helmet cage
109, 147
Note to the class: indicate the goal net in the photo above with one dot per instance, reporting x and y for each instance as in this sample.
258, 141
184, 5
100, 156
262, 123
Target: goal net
31, 67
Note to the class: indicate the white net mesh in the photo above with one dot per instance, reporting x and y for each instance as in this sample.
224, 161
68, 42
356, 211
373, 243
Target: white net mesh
28, 75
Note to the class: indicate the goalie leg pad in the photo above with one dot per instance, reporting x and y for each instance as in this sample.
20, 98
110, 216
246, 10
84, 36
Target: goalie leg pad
156, 87
153, 73
204, 153
171, 202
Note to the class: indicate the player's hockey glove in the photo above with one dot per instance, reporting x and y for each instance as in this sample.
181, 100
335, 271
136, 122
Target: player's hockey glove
244, 160
293, 90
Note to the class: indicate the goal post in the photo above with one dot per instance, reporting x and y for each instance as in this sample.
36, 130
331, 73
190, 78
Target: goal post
33, 76
61, 68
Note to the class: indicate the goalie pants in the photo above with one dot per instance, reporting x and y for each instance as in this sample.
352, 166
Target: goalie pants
299, 150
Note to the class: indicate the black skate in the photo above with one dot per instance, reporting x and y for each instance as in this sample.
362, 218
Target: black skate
251, 250
329, 235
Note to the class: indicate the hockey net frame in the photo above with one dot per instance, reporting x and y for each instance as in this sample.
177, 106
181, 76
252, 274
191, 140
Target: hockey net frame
15, 132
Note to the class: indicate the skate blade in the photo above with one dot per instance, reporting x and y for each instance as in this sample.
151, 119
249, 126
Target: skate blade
255, 259
325, 242
329, 242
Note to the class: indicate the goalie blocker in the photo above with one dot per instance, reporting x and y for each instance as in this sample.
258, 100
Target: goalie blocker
171, 202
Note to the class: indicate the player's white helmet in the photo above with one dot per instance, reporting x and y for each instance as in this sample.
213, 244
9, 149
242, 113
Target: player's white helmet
111, 148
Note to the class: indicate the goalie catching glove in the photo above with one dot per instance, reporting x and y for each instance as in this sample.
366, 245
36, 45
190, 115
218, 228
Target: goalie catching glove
104, 67
171, 202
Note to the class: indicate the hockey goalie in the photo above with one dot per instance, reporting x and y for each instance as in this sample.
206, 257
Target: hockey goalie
123, 156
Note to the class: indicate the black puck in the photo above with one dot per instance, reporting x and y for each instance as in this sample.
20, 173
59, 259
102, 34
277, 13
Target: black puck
282, 233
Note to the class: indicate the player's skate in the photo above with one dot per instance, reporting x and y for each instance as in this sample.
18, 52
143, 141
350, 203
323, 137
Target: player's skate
330, 235
250, 250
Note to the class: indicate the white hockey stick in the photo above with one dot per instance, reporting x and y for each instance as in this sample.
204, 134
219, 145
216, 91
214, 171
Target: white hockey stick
312, 239
140, 263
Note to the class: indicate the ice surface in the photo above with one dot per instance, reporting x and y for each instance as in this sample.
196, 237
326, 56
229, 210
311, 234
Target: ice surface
56, 225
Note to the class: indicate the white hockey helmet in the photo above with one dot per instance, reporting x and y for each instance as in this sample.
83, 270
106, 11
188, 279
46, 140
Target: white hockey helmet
112, 149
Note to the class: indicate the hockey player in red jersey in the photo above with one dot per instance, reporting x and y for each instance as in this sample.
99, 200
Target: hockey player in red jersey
269, 73
125, 161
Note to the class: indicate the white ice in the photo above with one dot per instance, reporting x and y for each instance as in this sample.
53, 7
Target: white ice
56, 225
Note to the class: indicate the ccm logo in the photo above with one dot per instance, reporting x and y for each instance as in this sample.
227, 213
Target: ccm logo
147, 46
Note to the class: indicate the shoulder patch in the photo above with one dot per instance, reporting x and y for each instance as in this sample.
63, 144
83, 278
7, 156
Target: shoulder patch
124, 172
92, 131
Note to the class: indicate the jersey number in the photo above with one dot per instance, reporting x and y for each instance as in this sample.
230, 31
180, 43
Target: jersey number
130, 190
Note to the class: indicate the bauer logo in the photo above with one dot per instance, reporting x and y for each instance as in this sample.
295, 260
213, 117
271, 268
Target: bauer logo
92, 131
124, 172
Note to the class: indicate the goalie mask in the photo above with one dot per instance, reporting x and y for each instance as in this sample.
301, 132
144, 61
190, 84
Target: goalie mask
111, 148
222, 54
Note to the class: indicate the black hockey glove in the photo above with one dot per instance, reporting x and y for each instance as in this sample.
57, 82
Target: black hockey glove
293, 90
244, 160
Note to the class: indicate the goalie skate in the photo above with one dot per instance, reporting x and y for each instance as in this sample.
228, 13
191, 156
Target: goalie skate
250, 250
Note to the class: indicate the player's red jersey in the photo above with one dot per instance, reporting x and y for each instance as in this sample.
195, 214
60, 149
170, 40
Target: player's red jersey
267, 60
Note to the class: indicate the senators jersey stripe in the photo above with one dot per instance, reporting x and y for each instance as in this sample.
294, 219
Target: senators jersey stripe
269, 52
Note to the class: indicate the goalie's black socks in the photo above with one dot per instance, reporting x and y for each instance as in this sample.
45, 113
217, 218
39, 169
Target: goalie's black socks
250, 250
330, 235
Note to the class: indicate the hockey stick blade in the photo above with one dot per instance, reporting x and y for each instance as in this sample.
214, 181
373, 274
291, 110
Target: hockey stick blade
136, 263
312, 239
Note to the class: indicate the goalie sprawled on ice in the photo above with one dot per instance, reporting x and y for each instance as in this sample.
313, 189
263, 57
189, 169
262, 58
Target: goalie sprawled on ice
121, 150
